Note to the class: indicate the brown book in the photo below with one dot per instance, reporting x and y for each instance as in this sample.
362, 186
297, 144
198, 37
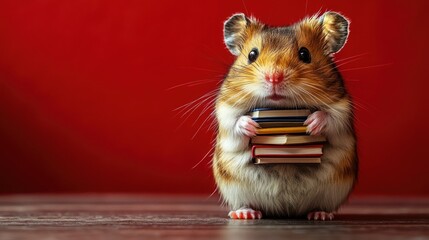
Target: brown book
285, 160
287, 139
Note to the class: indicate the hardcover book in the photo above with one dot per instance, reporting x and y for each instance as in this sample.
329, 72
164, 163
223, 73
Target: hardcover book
264, 160
287, 151
286, 139
281, 130
270, 113
280, 119
279, 124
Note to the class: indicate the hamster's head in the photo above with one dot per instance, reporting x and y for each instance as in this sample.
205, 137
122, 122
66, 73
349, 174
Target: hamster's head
289, 66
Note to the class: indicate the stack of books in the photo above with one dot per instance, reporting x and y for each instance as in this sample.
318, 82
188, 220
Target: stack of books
282, 137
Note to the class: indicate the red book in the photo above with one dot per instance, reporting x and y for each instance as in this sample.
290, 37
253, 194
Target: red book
287, 151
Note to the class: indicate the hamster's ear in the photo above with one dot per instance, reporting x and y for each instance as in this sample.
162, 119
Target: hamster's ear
234, 32
335, 29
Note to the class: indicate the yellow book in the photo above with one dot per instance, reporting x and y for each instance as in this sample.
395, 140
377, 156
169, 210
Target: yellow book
280, 130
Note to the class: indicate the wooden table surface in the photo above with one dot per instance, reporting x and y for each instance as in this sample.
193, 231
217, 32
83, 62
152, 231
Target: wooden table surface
196, 217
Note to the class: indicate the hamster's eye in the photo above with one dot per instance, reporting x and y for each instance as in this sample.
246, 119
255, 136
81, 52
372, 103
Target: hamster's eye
253, 55
304, 55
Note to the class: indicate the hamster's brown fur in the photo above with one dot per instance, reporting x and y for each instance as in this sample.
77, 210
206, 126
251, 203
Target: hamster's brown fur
285, 190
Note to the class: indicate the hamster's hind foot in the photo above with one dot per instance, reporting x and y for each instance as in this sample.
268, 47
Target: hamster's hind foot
245, 213
320, 215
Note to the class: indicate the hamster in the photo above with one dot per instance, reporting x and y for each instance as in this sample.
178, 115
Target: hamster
285, 67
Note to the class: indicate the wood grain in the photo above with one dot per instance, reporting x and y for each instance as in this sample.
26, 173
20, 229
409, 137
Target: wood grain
186, 217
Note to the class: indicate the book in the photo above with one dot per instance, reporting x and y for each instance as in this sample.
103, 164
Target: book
286, 139
280, 119
287, 151
282, 137
280, 130
279, 124
269, 113
264, 160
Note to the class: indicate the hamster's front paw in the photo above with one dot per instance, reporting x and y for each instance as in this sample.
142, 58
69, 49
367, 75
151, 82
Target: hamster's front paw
246, 126
316, 122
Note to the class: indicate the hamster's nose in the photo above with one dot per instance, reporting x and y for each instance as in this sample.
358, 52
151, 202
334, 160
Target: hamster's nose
274, 78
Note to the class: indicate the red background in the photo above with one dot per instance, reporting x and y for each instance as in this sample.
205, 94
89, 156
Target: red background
86, 103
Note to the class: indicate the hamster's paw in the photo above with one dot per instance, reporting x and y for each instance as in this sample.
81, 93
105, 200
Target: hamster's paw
246, 126
245, 213
316, 122
320, 215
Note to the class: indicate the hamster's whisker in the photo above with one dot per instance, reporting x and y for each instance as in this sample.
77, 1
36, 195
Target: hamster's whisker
204, 69
356, 105
365, 106
316, 98
209, 116
346, 62
254, 100
298, 95
194, 83
332, 64
194, 107
198, 163
295, 101
242, 76
211, 195
358, 120
213, 124
259, 66
337, 63
242, 97
192, 110
240, 66
237, 86
215, 91
207, 106
366, 67
185, 119
245, 70
236, 94
201, 125
351, 57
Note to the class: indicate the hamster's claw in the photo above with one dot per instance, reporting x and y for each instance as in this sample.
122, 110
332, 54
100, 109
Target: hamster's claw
245, 213
320, 215
246, 126
316, 122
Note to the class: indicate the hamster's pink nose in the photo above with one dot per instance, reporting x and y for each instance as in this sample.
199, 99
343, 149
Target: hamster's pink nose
274, 78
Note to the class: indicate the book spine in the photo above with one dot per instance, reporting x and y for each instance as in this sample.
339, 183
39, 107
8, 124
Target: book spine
289, 146
286, 155
254, 147
282, 130
253, 150
280, 119
285, 160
